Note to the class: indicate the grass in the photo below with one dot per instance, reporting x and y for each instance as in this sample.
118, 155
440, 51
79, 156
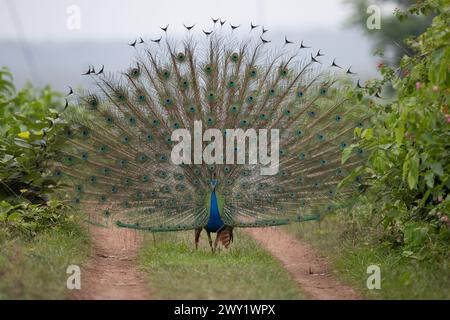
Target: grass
245, 271
36, 269
352, 249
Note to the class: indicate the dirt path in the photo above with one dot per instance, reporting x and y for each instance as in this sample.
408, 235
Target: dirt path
308, 269
111, 272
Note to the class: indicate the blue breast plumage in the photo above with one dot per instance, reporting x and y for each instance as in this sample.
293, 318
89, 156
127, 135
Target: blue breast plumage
215, 223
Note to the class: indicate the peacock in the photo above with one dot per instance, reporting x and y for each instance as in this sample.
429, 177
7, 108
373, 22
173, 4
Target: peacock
216, 131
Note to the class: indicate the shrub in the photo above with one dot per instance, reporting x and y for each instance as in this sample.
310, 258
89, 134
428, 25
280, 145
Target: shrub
408, 169
29, 131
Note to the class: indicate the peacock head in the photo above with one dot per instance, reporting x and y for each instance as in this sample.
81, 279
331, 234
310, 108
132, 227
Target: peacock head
214, 182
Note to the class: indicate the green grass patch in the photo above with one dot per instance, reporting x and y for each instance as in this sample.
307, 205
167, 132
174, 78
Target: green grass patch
351, 245
36, 268
245, 271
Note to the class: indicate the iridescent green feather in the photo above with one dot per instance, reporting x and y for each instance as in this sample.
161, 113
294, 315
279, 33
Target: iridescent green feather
116, 163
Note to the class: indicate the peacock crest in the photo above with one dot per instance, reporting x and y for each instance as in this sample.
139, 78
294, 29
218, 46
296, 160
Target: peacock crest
119, 162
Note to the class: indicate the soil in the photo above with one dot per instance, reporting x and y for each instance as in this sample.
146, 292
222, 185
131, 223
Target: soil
311, 272
112, 270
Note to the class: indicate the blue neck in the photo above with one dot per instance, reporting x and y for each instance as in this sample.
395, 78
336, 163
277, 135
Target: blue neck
214, 222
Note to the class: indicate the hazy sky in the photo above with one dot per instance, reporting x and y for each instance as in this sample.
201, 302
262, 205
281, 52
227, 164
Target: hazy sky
37, 45
112, 19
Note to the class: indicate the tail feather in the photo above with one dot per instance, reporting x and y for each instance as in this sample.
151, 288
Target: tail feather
120, 138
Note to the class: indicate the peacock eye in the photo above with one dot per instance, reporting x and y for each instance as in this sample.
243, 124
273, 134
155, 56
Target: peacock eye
323, 91
234, 57
166, 74
208, 69
135, 72
181, 57
132, 120
211, 96
93, 102
168, 102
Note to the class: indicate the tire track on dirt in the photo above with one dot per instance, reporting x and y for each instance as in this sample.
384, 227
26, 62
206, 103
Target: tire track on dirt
112, 270
311, 272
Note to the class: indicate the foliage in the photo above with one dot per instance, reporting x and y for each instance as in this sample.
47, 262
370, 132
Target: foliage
26, 219
351, 242
37, 269
29, 131
408, 170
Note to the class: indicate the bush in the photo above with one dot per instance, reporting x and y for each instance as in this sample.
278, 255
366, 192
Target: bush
408, 170
29, 132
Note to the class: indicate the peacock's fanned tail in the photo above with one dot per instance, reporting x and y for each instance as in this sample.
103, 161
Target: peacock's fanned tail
117, 161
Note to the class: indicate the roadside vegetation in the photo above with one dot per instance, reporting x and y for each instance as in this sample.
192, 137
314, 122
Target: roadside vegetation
404, 228
39, 236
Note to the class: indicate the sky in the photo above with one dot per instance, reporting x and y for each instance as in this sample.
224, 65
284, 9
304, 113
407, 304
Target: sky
39, 43
111, 19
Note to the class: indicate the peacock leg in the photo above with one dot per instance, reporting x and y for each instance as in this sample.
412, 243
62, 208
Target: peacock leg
210, 240
197, 236
216, 242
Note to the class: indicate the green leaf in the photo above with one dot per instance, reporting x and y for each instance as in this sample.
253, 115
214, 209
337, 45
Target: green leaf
399, 134
437, 168
413, 175
22, 143
367, 134
429, 179
347, 153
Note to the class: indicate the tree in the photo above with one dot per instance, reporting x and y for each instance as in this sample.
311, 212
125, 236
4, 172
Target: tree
390, 38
